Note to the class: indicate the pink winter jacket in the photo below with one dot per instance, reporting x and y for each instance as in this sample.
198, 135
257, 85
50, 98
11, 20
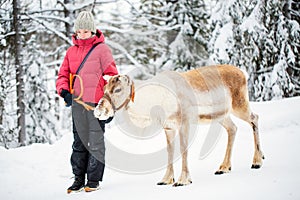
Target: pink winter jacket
99, 63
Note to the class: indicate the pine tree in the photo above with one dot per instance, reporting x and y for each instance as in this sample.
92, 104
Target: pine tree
220, 41
263, 42
292, 24
149, 48
245, 48
188, 44
273, 80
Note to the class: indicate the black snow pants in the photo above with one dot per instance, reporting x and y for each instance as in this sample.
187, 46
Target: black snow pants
88, 156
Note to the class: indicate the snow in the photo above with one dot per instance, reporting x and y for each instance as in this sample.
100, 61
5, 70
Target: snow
43, 170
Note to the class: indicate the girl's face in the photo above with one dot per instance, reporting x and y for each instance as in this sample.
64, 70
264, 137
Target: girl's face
83, 34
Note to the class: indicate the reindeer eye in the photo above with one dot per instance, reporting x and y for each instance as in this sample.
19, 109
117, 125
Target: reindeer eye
117, 90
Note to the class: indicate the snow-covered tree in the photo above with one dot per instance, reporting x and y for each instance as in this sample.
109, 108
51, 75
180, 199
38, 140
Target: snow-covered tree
26, 117
162, 35
8, 120
189, 41
292, 24
261, 40
274, 61
9, 130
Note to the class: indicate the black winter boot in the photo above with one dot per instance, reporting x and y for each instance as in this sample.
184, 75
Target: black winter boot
91, 186
78, 184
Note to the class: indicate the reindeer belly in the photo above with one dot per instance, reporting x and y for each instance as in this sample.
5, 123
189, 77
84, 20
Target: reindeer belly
211, 105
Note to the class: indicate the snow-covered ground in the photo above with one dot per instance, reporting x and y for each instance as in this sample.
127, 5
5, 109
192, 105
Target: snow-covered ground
42, 171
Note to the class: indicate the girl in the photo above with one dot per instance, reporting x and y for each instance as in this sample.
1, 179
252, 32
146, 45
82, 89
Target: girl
88, 155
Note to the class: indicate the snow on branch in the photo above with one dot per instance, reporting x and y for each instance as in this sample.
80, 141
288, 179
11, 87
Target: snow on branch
50, 10
138, 32
71, 7
47, 17
131, 58
48, 27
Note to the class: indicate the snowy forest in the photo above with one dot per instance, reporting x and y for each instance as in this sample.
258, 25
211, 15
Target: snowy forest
259, 36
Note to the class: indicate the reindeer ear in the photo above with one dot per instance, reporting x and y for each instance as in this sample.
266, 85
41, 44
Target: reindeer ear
132, 92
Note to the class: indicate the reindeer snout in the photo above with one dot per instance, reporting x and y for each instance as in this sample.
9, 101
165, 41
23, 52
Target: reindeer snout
103, 110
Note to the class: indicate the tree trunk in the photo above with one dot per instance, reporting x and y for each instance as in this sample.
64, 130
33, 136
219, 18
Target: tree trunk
1, 112
171, 34
67, 14
19, 74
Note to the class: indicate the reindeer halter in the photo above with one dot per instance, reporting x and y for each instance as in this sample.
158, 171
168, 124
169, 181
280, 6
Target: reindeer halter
125, 103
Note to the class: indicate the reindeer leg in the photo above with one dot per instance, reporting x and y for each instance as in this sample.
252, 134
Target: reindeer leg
169, 175
258, 155
184, 178
252, 119
231, 130
242, 110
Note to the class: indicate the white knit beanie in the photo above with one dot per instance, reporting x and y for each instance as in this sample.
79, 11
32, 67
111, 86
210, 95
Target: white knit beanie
85, 20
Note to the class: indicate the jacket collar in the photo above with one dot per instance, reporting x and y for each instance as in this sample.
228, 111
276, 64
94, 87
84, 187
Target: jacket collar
99, 37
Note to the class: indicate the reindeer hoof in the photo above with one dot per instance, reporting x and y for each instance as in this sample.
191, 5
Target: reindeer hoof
162, 183
181, 184
177, 184
219, 172
166, 183
255, 166
222, 171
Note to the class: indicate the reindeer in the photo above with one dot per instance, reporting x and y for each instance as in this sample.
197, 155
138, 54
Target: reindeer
202, 95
